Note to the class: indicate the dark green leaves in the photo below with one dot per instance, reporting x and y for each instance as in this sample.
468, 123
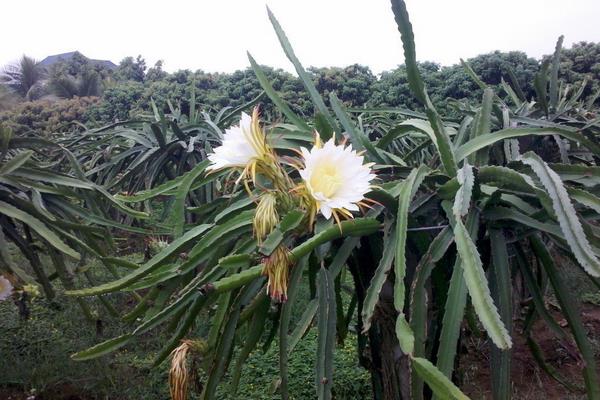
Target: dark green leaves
565, 213
442, 140
326, 335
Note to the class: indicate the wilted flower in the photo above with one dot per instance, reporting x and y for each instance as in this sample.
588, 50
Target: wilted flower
276, 268
243, 145
6, 288
179, 376
335, 177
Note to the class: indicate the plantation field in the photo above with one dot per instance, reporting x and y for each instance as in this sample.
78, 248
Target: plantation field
432, 232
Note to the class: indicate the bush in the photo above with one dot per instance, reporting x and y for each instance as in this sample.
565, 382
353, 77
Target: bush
48, 116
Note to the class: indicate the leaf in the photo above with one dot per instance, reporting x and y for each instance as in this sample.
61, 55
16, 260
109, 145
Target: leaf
380, 275
478, 287
483, 126
326, 337
418, 309
499, 213
442, 140
540, 85
462, 200
183, 328
147, 268
354, 227
15, 162
322, 126
178, 211
405, 336
585, 198
440, 385
358, 139
284, 324
304, 76
39, 227
515, 83
554, 73
536, 292
510, 92
565, 213
278, 101
487, 140
454, 309
500, 359
255, 331
102, 349
473, 270
303, 324
538, 355
482, 85
51, 177
407, 191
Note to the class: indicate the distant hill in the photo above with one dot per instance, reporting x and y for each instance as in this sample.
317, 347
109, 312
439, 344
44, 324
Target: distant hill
48, 61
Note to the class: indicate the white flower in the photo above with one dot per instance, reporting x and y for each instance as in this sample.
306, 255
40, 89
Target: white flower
5, 288
335, 177
241, 145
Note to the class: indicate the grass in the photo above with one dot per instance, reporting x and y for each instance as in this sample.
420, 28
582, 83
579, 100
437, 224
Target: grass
35, 357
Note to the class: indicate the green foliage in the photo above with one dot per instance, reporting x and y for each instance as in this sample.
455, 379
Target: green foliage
131, 69
36, 358
581, 63
505, 193
47, 117
493, 175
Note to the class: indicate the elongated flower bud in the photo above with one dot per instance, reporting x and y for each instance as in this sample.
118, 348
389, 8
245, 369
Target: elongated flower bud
266, 217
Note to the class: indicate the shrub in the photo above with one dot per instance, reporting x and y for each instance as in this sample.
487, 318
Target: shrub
48, 116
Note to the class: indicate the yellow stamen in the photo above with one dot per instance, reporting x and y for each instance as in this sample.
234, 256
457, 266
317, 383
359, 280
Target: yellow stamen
326, 179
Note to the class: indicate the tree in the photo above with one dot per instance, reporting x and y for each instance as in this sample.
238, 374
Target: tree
352, 84
582, 62
131, 69
25, 78
63, 84
156, 73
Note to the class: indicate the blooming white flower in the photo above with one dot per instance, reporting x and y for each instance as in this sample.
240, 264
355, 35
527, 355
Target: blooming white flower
241, 145
6, 288
335, 177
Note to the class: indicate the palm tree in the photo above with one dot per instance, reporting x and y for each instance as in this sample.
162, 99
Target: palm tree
64, 85
24, 78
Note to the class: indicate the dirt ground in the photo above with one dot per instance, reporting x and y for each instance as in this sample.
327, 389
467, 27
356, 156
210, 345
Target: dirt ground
529, 381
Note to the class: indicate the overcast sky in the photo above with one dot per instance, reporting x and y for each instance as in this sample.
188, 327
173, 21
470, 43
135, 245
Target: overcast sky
214, 35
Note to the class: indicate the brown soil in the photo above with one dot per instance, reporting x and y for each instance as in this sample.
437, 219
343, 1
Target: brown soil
529, 381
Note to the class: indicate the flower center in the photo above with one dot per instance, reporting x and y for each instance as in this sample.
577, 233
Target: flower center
326, 179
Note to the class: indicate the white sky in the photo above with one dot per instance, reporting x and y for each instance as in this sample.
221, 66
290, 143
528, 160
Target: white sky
214, 35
